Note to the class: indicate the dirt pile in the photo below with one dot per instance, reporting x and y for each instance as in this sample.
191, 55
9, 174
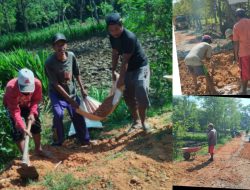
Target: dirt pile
245, 152
123, 161
226, 76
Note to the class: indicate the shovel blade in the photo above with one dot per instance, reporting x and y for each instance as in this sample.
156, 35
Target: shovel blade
28, 172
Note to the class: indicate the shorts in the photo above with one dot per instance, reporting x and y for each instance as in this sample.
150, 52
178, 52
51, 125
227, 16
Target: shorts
245, 67
136, 87
211, 149
17, 134
197, 70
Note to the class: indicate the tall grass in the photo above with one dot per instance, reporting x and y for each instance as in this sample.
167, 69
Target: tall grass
13, 61
36, 38
8, 149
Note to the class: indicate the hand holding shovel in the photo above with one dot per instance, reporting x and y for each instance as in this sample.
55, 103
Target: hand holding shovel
27, 171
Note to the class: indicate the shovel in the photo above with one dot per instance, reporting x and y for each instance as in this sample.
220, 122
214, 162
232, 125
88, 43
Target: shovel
25, 159
210, 78
27, 171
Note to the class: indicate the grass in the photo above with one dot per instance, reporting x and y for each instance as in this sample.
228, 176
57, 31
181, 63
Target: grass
133, 171
65, 181
36, 38
15, 60
115, 156
198, 137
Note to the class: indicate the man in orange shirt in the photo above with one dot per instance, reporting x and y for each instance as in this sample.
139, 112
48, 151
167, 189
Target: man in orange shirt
241, 38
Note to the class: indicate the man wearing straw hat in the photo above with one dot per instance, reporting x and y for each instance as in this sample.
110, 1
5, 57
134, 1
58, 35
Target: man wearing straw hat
62, 70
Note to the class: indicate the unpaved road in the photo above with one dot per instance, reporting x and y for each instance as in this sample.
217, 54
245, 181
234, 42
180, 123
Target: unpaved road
230, 168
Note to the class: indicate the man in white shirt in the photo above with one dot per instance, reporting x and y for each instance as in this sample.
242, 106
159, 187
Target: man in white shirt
195, 65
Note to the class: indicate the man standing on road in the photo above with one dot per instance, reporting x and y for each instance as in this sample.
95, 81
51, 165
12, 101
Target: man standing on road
212, 140
62, 70
195, 65
134, 71
241, 38
21, 99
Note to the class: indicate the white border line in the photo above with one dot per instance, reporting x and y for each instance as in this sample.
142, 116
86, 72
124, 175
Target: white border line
176, 75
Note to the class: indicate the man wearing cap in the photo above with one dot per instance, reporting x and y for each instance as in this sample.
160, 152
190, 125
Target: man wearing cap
241, 38
212, 140
62, 70
134, 71
193, 60
21, 99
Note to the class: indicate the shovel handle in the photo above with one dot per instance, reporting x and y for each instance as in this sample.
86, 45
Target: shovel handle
25, 158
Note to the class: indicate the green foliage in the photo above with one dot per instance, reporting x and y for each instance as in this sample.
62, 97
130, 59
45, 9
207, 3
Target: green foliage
36, 38
197, 137
61, 181
13, 61
105, 8
155, 17
224, 113
8, 149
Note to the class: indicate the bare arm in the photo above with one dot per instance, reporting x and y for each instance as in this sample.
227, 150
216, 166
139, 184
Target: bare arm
61, 91
123, 69
81, 85
115, 57
236, 50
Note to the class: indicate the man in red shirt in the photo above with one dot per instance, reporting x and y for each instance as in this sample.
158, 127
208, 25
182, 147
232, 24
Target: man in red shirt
241, 38
21, 99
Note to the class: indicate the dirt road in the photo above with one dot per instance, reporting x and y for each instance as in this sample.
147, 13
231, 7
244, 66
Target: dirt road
134, 161
229, 170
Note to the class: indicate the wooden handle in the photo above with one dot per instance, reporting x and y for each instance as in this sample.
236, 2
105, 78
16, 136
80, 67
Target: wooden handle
25, 158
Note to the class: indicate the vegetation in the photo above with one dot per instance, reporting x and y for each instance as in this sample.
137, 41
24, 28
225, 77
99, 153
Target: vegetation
191, 116
214, 14
35, 38
25, 33
8, 149
61, 181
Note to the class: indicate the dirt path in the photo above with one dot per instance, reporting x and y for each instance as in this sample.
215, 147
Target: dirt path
229, 170
226, 76
134, 161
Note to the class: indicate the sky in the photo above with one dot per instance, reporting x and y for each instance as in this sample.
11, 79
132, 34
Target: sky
245, 101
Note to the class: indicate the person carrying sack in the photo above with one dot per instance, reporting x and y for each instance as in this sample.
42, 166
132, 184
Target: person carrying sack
62, 71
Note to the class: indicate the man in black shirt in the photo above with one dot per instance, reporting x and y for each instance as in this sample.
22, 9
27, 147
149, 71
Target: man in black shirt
134, 71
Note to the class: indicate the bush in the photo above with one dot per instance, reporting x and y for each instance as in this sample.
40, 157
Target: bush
8, 149
13, 61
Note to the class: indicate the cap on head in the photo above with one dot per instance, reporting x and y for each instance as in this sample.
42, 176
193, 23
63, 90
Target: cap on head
26, 81
240, 12
57, 37
211, 125
228, 32
206, 38
113, 18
